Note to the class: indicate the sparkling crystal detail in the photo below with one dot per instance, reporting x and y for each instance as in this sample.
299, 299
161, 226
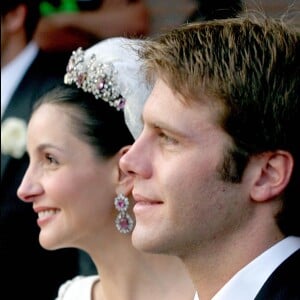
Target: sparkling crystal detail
124, 222
121, 203
94, 77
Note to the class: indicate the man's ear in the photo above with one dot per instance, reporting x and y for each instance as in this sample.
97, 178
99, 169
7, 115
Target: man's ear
273, 176
125, 181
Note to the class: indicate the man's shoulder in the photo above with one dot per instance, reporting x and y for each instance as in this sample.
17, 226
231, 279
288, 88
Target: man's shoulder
284, 281
46, 71
51, 64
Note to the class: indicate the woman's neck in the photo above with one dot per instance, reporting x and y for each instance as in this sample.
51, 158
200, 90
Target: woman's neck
126, 273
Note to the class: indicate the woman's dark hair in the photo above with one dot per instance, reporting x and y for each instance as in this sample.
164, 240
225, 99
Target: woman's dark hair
93, 120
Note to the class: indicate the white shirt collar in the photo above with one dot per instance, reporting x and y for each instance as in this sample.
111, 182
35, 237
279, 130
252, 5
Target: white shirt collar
14, 71
248, 281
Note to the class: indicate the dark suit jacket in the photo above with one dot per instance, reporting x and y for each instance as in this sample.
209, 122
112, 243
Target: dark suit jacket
27, 269
284, 282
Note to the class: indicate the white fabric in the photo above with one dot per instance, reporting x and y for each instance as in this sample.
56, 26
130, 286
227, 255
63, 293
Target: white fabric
122, 53
78, 288
13, 72
248, 281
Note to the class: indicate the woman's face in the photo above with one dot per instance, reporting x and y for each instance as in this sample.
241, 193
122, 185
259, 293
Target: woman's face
71, 189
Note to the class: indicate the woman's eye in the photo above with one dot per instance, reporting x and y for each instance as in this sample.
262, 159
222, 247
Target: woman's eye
50, 159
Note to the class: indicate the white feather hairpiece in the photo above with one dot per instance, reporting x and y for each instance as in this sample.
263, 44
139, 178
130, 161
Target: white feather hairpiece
111, 71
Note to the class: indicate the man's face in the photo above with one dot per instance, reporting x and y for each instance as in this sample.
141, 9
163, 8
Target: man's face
182, 203
13, 35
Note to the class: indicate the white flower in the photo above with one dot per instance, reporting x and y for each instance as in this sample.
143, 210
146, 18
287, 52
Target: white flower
13, 137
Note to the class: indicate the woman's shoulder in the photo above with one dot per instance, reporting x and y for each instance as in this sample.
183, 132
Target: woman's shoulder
77, 288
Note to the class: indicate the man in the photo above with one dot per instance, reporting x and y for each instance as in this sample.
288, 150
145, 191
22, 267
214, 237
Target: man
28, 271
216, 168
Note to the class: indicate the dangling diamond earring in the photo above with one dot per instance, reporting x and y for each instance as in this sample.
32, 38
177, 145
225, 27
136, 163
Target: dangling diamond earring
124, 222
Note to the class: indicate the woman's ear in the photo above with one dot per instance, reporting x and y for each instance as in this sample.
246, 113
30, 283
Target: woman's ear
125, 181
273, 176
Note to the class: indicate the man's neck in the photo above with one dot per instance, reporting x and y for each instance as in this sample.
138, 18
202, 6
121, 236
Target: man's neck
12, 49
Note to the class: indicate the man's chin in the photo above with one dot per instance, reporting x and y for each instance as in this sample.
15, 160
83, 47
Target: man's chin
145, 241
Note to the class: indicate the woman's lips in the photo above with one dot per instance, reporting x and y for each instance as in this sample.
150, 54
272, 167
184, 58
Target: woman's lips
45, 214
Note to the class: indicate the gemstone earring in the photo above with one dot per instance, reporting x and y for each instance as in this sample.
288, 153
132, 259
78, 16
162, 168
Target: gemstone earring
124, 222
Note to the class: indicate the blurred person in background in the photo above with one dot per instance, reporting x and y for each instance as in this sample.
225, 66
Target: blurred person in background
68, 24
216, 9
26, 73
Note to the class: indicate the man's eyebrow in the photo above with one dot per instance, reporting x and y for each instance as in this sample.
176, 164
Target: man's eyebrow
161, 125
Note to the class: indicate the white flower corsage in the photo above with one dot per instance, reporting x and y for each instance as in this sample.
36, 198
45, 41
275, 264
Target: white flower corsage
13, 137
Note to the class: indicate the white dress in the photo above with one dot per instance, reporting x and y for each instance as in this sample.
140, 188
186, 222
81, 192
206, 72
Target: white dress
78, 288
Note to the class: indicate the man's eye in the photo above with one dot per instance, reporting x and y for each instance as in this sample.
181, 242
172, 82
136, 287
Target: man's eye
167, 139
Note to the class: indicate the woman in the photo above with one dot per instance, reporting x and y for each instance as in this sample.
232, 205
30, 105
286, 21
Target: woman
75, 141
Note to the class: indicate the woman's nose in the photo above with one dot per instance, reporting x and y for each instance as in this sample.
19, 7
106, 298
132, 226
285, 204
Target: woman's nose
29, 188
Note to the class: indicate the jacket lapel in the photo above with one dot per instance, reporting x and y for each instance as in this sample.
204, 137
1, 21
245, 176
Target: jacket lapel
284, 282
20, 105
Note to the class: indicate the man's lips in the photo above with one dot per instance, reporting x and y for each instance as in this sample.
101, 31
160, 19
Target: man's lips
143, 204
144, 200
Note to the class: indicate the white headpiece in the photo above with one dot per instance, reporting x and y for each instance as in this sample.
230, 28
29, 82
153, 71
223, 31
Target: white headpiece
111, 71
